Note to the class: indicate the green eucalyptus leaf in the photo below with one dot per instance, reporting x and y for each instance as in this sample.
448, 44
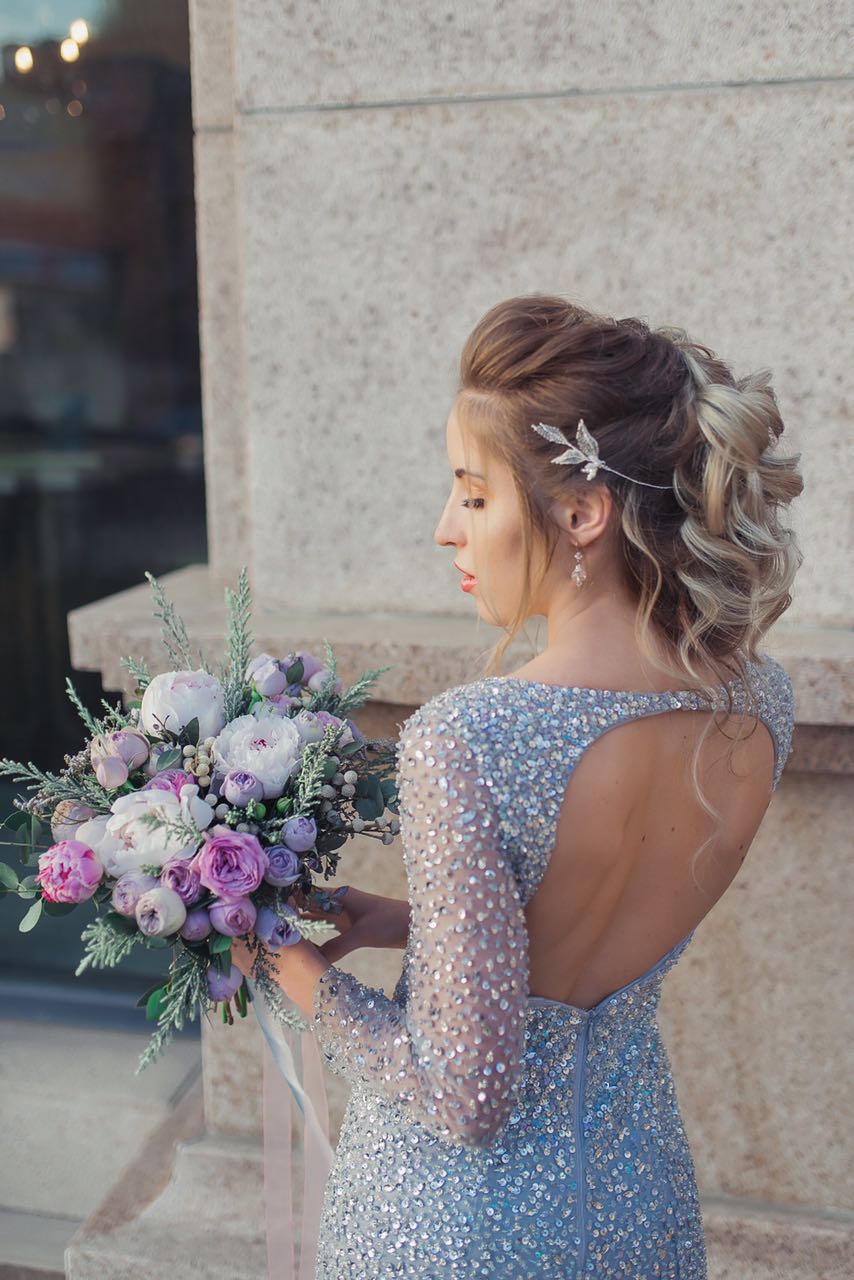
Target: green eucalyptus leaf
191, 731
169, 759
154, 1004
16, 821
31, 919
8, 877
219, 943
366, 808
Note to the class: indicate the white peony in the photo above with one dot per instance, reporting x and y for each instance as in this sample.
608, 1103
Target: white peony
175, 698
267, 746
102, 842
140, 843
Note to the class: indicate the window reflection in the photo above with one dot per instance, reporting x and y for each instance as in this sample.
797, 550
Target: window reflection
101, 469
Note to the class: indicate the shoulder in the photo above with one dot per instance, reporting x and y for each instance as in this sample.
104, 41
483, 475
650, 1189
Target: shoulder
473, 715
776, 696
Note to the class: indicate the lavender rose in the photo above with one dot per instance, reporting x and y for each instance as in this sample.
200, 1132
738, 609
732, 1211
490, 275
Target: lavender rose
169, 780
128, 890
240, 786
69, 872
179, 874
110, 771
197, 925
222, 986
230, 863
129, 745
269, 678
272, 931
300, 834
233, 918
283, 866
160, 912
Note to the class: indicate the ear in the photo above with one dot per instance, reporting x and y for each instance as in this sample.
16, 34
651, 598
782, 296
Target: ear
585, 513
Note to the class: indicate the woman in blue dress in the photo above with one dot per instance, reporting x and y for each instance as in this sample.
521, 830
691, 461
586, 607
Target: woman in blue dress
512, 1111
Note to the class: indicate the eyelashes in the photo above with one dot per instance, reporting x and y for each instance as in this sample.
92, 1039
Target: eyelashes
475, 502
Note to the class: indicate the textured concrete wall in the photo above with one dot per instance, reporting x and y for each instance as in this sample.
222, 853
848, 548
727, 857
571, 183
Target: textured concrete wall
371, 180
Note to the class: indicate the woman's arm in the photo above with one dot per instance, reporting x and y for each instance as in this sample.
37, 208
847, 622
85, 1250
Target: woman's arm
452, 1055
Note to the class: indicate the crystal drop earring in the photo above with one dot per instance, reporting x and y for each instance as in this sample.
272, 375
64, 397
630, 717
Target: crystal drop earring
579, 577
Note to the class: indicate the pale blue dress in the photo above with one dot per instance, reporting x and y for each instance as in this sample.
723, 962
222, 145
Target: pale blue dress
491, 1133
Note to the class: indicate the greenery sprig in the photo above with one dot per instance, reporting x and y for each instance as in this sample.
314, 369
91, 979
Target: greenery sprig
184, 994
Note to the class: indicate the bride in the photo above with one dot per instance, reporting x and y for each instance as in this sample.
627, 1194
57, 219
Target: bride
566, 827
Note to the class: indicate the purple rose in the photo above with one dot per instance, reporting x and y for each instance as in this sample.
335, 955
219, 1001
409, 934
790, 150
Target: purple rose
197, 925
128, 890
69, 872
233, 918
180, 875
272, 931
160, 912
222, 986
300, 834
240, 787
169, 780
283, 866
230, 863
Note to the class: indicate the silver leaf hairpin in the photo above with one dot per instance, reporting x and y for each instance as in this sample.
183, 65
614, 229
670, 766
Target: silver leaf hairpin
586, 451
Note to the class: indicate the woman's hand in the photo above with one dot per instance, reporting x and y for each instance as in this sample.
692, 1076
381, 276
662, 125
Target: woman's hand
367, 920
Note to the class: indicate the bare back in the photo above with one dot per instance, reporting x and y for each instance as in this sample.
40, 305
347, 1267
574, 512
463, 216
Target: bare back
618, 891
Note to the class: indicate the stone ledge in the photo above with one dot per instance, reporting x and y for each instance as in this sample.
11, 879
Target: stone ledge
746, 1241
428, 652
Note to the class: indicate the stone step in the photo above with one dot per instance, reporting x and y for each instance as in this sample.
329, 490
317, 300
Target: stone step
750, 1241
33, 1244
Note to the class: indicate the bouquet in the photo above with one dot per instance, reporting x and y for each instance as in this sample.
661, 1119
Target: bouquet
201, 813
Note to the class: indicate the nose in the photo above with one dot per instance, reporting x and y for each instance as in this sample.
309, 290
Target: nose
446, 534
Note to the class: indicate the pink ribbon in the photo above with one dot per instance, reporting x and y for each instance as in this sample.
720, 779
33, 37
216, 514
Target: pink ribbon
293, 1072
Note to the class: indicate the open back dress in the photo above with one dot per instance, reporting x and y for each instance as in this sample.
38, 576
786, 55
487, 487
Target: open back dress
489, 1132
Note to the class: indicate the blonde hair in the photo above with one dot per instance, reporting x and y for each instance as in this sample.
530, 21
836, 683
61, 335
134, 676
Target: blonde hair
707, 558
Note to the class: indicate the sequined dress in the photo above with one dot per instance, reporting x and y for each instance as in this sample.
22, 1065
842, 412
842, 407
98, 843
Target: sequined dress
489, 1132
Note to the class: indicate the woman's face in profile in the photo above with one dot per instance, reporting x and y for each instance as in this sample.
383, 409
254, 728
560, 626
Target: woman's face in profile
482, 521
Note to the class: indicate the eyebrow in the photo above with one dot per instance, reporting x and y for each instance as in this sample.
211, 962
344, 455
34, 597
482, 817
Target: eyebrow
459, 472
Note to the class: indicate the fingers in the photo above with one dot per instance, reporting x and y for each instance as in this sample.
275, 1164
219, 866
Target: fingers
342, 944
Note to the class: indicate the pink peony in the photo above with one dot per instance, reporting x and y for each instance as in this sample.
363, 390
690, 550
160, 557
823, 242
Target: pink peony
69, 872
230, 863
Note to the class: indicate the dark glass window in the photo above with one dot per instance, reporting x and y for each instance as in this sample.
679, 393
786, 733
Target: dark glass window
101, 471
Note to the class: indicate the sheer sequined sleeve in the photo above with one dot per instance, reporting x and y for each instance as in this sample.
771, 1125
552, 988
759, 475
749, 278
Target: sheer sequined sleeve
452, 1053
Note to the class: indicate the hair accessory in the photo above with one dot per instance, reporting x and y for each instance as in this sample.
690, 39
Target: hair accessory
586, 452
